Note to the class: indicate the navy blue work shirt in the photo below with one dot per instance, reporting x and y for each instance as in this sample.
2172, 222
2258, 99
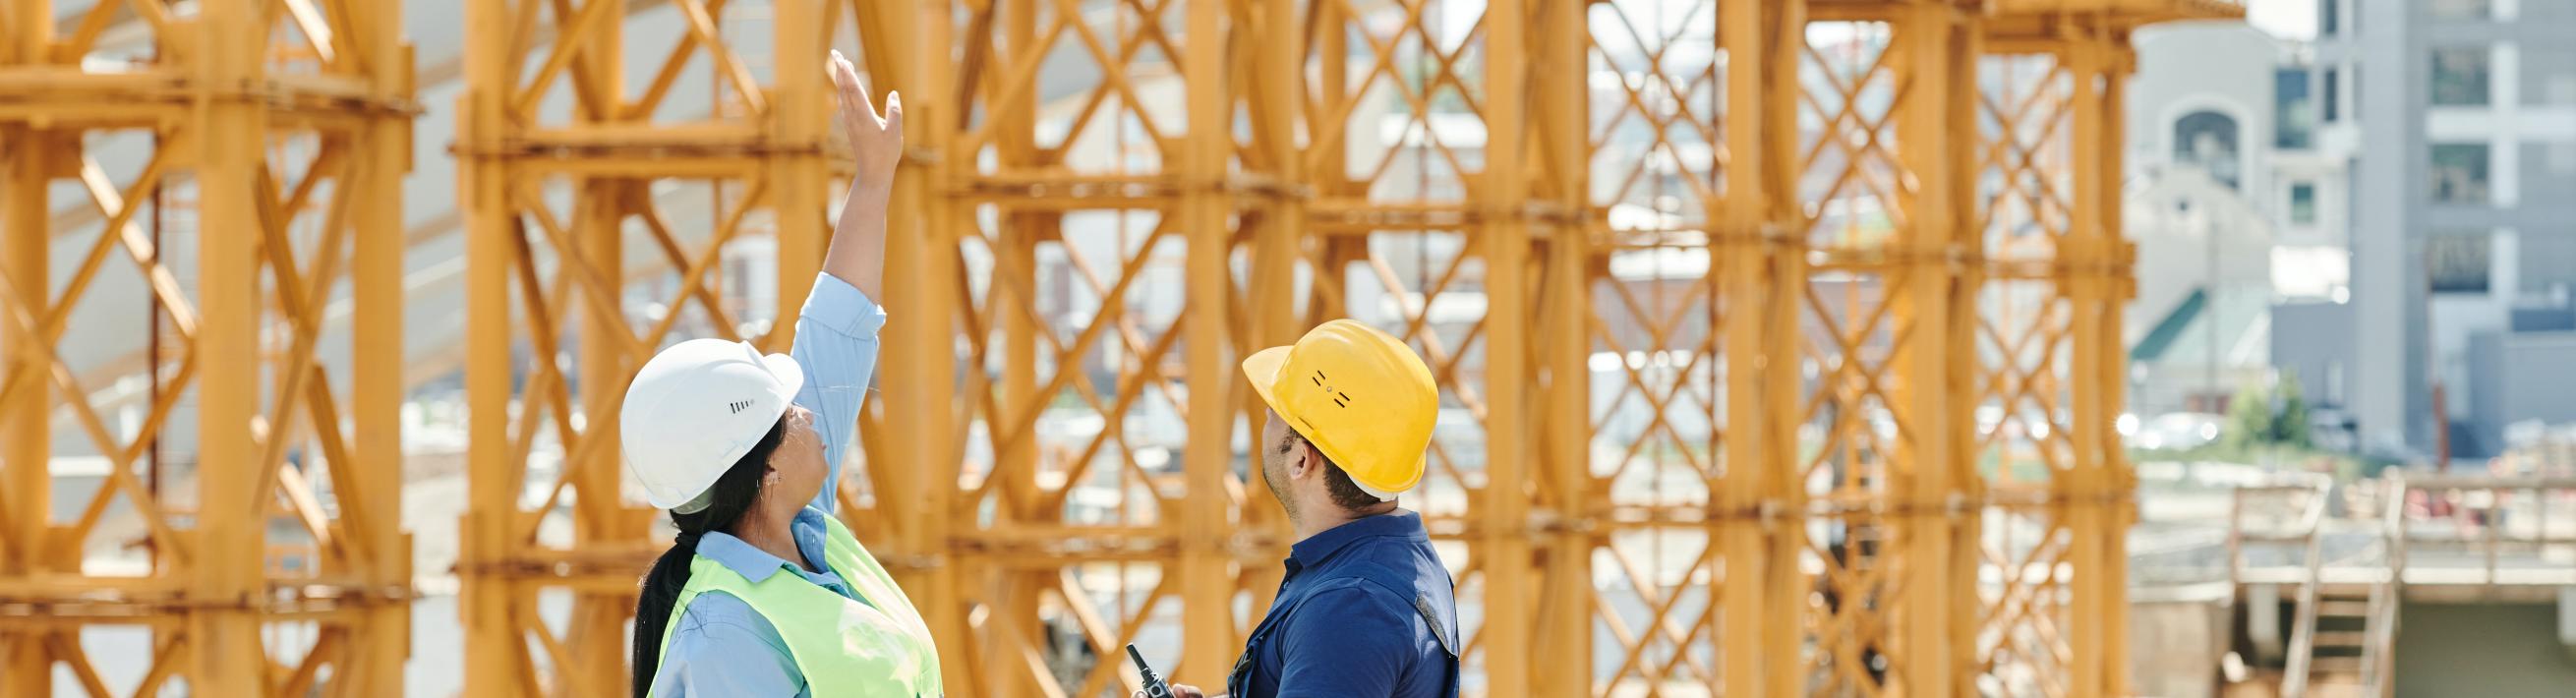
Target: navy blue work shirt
1341, 628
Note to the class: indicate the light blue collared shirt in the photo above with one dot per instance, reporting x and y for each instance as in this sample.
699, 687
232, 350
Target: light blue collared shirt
720, 646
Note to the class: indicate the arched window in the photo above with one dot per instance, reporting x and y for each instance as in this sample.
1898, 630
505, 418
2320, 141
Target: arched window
2207, 139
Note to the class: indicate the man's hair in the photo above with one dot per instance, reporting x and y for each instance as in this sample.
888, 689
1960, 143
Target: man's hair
1346, 494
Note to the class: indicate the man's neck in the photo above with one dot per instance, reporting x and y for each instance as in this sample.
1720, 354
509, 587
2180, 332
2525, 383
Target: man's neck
1332, 517
774, 536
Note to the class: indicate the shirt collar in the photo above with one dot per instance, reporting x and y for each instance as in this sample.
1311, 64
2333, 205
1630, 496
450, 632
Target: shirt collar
755, 564
1315, 549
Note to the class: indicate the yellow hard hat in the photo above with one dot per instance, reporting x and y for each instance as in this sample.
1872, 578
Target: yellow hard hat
1360, 395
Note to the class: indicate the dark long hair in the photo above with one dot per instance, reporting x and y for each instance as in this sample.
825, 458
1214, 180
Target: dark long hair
731, 496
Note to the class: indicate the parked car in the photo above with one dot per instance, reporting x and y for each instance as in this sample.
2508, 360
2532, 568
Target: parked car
2177, 431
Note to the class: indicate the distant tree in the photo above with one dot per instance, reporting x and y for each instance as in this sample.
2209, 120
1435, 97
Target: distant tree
2276, 415
2249, 416
2290, 426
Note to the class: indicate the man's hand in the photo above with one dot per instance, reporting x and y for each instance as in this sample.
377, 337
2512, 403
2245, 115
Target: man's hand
1180, 691
876, 141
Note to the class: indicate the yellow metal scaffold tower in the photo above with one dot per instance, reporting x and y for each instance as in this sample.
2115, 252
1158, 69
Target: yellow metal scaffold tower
560, 165
269, 558
1779, 340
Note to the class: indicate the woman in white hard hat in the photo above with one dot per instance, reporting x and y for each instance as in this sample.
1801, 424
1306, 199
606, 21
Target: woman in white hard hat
765, 593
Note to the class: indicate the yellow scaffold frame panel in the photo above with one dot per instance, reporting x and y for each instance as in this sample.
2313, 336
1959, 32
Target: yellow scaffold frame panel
272, 139
1822, 313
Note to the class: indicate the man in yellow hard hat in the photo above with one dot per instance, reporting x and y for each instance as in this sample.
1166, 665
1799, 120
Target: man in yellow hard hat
1366, 609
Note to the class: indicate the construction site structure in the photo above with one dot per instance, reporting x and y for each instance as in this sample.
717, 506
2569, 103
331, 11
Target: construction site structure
2320, 574
1779, 339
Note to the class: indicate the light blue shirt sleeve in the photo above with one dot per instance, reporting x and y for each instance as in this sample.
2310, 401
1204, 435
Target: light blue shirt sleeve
836, 343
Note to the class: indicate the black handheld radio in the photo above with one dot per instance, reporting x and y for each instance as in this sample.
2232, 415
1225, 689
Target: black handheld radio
1154, 686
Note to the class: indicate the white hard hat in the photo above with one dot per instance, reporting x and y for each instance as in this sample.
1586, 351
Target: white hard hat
695, 409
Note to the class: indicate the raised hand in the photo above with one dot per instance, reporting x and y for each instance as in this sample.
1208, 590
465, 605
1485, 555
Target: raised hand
857, 254
876, 140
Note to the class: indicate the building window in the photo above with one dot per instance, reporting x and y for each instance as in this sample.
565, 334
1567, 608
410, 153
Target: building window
2327, 14
2207, 140
2460, 173
2462, 9
2303, 204
2460, 76
2326, 101
2548, 262
2293, 123
2457, 261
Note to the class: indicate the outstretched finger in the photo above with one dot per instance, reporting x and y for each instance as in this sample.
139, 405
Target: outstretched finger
893, 120
853, 96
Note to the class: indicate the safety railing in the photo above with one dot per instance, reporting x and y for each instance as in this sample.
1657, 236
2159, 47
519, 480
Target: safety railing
2254, 517
2488, 517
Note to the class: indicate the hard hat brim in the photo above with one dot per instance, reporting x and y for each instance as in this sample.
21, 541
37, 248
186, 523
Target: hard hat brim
791, 375
1262, 368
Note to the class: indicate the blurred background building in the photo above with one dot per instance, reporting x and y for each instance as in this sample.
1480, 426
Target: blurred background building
2376, 217
2464, 245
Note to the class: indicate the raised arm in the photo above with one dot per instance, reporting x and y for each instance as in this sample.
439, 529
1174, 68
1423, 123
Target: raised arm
836, 334
876, 143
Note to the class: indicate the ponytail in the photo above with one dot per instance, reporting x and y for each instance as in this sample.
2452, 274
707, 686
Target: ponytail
728, 499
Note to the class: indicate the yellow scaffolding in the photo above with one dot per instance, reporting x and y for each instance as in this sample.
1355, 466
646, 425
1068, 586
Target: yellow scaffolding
1779, 340
1859, 382
272, 555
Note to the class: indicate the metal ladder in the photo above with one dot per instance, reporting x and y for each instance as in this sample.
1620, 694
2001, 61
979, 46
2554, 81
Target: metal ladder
2378, 653
2375, 612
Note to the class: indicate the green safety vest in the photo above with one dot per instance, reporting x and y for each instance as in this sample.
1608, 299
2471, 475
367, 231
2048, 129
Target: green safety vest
843, 647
